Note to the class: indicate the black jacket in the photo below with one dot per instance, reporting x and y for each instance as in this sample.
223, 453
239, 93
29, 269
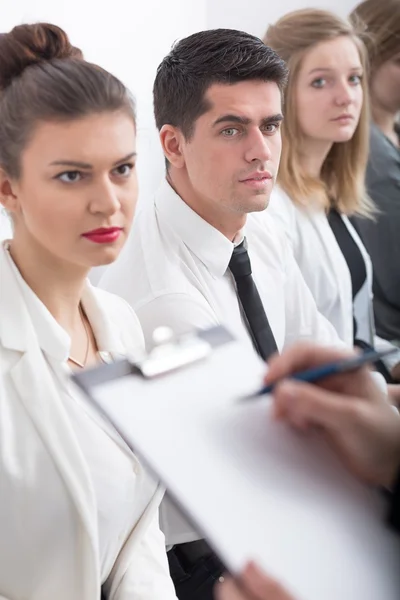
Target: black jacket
394, 512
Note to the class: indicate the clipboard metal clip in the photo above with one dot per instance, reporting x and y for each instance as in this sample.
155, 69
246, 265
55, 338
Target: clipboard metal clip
170, 352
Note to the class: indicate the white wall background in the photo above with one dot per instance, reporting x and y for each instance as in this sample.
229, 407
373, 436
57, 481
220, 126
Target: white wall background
254, 16
130, 38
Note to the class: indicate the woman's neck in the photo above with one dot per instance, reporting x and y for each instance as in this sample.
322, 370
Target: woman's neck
313, 155
59, 285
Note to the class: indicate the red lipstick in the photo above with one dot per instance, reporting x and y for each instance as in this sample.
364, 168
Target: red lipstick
104, 235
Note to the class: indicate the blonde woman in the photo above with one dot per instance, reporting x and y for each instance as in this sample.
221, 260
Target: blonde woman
79, 513
324, 156
381, 23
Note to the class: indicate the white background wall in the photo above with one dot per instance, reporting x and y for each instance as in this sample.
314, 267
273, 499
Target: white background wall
254, 16
130, 37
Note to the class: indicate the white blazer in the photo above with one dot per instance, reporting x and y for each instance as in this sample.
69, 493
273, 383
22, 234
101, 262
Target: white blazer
5, 225
325, 269
48, 517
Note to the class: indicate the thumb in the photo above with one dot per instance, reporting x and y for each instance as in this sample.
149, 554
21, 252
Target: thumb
302, 405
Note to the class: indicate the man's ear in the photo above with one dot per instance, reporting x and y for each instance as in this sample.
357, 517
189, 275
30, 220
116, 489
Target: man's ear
171, 139
7, 197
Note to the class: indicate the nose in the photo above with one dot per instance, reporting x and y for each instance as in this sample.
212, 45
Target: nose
344, 94
258, 148
104, 198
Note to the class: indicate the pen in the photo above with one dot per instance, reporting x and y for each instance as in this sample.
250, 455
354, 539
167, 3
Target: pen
342, 366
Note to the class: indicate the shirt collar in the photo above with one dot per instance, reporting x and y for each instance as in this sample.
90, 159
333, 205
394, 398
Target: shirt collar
207, 243
52, 338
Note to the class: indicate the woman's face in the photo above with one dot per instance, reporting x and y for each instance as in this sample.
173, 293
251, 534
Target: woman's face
328, 91
385, 85
75, 198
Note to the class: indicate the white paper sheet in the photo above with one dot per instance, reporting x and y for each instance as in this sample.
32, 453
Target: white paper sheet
256, 489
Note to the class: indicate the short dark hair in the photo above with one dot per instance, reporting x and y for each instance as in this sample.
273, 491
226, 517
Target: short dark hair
195, 63
44, 78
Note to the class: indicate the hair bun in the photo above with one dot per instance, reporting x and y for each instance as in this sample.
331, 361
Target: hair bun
28, 45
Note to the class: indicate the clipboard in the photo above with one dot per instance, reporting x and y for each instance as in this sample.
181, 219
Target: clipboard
254, 488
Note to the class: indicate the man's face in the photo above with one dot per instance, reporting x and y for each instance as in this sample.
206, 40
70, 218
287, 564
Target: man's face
231, 160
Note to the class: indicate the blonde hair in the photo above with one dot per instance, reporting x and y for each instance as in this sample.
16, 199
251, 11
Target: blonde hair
380, 21
342, 180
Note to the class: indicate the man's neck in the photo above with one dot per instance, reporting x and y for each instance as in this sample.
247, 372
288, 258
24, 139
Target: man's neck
228, 223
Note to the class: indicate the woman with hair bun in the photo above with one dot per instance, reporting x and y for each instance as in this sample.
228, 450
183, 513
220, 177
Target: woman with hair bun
78, 512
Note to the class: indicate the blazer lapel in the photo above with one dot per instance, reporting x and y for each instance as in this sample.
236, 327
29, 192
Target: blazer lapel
336, 262
41, 399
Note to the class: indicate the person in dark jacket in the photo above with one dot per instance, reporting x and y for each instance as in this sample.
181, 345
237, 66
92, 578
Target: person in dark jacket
381, 23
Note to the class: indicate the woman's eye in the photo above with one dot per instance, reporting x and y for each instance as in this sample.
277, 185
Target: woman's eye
124, 170
69, 176
230, 132
356, 79
318, 83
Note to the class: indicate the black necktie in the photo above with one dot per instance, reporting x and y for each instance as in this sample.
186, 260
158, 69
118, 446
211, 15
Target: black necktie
250, 300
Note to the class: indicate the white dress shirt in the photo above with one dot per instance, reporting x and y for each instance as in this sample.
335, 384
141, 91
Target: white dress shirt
174, 272
123, 490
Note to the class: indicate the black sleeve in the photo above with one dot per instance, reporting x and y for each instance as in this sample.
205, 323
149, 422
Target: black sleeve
381, 236
394, 511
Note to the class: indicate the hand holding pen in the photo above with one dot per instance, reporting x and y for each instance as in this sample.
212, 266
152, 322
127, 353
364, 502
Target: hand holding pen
347, 406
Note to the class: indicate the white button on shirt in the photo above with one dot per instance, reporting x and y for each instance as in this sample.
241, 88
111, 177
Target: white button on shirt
174, 272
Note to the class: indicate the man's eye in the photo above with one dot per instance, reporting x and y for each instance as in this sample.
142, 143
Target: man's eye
230, 132
271, 127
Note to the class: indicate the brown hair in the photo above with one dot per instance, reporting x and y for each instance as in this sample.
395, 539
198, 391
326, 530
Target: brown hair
343, 172
380, 20
44, 78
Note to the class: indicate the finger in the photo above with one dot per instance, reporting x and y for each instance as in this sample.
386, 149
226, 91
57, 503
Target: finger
394, 393
262, 587
302, 356
229, 591
302, 404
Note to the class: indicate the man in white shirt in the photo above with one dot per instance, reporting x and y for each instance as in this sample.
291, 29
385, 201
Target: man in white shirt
217, 101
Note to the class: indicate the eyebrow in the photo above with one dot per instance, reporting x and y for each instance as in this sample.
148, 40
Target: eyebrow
245, 120
82, 165
329, 70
